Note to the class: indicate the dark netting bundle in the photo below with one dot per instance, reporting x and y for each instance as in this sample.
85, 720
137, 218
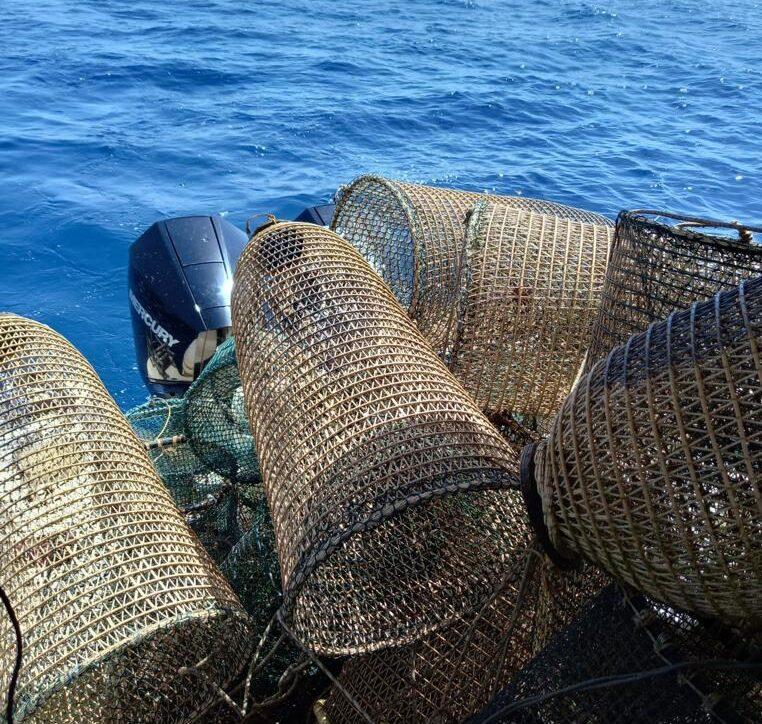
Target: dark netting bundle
123, 614
414, 237
624, 658
388, 489
656, 268
652, 469
455, 672
530, 291
202, 448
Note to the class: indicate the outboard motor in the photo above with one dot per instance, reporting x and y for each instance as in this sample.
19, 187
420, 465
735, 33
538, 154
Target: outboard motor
180, 279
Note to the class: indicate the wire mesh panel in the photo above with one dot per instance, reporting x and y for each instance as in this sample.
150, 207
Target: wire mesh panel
124, 617
653, 465
625, 659
454, 673
413, 236
530, 293
656, 268
385, 484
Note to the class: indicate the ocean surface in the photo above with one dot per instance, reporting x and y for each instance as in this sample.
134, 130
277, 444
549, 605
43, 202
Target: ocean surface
115, 114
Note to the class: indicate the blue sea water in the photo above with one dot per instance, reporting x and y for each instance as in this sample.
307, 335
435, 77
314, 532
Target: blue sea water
114, 114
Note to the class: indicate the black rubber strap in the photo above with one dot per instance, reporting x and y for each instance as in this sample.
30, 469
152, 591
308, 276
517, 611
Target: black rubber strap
533, 505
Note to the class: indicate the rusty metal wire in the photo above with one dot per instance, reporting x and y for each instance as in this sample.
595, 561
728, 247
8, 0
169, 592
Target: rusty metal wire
531, 289
389, 491
414, 237
653, 465
657, 267
124, 616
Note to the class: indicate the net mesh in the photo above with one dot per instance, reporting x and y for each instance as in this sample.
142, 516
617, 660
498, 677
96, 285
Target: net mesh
656, 268
414, 236
202, 448
384, 482
123, 614
530, 292
653, 465
624, 658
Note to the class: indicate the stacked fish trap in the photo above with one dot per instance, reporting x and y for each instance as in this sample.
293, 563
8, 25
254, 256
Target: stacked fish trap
652, 468
389, 491
123, 616
657, 267
454, 673
504, 288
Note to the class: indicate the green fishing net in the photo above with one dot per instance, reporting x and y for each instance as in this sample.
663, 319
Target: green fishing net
202, 448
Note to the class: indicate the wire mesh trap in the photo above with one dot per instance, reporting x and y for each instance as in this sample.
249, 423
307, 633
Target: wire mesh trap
652, 468
530, 293
123, 614
413, 236
625, 658
656, 267
455, 672
387, 487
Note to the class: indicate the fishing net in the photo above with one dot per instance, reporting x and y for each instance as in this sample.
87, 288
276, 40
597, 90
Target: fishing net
624, 658
414, 237
385, 484
123, 615
656, 268
530, 292
653, 465
455, 672
202, 448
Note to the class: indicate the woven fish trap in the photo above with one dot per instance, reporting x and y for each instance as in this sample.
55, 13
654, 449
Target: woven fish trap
661, 262
455, 672
531, 289
387, 487
624, 658
414, 237
653, 465
123, 615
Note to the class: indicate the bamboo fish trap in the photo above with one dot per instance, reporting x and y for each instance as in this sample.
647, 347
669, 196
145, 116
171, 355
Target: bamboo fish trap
388, 489
123, 615
414, 237
653, 465
531, 288
657, 267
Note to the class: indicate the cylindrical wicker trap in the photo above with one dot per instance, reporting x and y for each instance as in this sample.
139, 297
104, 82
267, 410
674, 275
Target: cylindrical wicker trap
453, 673
413, 236
657, 267
653, 466
114, 594
530, 291
385, 483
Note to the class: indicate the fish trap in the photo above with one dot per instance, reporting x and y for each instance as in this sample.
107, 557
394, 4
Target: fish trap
414, 237
653, 464
455, 672
531, 288
625, 658
657, 267
123, 615
387, 487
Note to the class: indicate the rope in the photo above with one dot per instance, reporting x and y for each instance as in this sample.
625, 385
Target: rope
17, 664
